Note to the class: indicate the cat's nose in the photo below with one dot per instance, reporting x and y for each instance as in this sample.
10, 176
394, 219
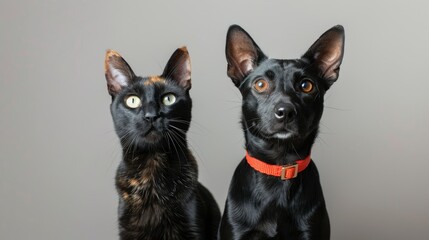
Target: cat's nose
284, 112
151, 116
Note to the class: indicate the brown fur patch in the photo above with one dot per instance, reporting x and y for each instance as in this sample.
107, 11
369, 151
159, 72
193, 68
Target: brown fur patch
109, 55
154, 79
133, 182
117, 72
138, 188
125, 196
156, 163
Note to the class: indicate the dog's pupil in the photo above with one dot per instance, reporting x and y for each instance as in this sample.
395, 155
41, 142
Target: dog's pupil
306, 86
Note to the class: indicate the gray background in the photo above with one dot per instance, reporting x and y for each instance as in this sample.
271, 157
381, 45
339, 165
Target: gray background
59, 152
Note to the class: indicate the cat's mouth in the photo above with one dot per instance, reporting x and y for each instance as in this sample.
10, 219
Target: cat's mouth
152, 135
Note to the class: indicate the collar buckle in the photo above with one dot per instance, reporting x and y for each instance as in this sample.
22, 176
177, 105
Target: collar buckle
289, 171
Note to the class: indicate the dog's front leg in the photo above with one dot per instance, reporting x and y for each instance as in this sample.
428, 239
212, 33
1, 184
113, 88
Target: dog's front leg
313, 224
237, 223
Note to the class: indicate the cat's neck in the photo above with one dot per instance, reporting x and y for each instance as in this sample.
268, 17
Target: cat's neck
171, 150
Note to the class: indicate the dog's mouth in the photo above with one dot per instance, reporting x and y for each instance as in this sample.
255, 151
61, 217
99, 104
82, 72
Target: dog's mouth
273, 132
283, 135
280, 135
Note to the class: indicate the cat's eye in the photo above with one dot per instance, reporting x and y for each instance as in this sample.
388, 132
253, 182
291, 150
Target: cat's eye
306, 86
133, 101
261, 85
169, 99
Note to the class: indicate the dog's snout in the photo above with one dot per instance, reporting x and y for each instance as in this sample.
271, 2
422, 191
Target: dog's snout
284, 112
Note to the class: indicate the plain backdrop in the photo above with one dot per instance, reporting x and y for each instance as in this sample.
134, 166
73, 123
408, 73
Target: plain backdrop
59, 152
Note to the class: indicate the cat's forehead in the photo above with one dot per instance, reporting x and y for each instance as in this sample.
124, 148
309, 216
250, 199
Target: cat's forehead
152, 80
153, 84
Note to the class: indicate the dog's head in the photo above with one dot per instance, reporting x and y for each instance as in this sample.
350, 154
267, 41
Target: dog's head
283, 99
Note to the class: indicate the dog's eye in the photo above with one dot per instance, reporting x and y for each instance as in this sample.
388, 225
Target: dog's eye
307, 86
133, 101
261, 85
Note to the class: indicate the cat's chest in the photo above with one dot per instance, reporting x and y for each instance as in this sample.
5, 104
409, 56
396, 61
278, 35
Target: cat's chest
157, 180
144, 182
150, 196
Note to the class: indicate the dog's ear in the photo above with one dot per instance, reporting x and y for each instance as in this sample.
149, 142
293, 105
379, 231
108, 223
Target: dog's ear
327, 53
178, 68
117, 72
242, 54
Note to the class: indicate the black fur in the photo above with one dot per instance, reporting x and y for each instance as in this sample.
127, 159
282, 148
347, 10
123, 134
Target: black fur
280, 125
159, 195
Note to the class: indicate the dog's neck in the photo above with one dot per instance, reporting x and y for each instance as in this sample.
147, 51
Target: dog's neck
278, 151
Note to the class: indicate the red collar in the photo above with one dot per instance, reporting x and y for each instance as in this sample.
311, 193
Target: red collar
285, 172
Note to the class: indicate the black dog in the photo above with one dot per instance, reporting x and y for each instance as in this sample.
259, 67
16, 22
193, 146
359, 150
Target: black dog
275, 192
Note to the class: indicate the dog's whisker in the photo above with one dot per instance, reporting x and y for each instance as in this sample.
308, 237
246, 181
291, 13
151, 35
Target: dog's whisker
338, 109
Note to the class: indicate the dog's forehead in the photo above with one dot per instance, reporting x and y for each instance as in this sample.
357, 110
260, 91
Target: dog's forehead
280, 67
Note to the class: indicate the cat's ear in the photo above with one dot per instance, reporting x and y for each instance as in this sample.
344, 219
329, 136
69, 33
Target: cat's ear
178, 68
242, 54
326, 54
117, 71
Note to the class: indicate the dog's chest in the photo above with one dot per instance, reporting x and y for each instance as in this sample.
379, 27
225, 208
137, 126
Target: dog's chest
276, 191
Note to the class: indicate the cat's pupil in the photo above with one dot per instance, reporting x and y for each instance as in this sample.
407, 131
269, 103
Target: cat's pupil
169, 99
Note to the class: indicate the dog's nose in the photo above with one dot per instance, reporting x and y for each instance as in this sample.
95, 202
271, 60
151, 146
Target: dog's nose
284, 112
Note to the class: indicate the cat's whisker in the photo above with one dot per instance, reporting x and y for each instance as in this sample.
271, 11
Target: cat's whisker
178, 129
179, 120
180, 139
181, 131
181, 144
130, 146
165, 136
173, 143
195, 123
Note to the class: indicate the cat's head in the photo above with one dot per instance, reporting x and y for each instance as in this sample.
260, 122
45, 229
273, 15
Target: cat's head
150, 111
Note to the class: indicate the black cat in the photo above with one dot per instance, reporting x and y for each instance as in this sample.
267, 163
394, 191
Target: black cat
159, 194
